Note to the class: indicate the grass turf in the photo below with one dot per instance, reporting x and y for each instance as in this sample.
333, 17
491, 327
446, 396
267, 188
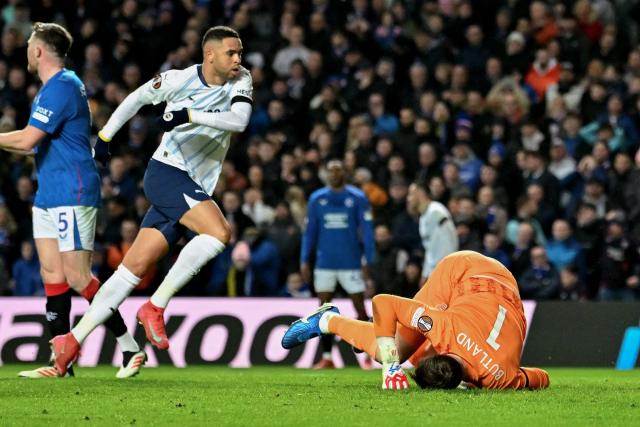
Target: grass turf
286, 396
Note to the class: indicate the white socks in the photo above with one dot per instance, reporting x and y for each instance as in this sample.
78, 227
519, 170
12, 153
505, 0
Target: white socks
127, 343
106, 301
323, 323
200, 250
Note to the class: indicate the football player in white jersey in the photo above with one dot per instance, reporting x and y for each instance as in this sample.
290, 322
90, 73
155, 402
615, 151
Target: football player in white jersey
205, 104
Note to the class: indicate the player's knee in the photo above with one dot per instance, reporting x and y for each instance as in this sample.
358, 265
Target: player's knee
223, 232
138, 266
50, 275
76, 279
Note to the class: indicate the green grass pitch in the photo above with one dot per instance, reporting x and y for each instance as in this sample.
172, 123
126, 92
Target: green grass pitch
219, 396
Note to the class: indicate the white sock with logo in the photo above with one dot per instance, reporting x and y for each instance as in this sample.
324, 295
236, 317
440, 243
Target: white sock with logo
106, 301
199, 251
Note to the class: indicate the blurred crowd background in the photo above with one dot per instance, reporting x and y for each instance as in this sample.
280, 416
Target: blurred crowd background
522, 117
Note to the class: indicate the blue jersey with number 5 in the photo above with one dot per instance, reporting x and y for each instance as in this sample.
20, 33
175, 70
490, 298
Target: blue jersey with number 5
67, 173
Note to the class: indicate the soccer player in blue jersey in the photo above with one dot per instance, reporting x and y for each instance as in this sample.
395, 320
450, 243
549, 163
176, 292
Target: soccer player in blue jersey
338, 232
206, 103
66, 203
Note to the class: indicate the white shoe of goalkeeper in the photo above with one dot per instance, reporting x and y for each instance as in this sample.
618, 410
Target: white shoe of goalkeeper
132, 366
393, 377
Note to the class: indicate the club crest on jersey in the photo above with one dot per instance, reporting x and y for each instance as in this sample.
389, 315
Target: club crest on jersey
323, 202
425, 323
348, 202
157, 81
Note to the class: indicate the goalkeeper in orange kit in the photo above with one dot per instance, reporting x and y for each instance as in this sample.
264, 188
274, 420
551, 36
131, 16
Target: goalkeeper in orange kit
465, 327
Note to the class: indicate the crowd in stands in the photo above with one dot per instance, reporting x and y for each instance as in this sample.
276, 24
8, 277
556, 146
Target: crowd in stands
522, 117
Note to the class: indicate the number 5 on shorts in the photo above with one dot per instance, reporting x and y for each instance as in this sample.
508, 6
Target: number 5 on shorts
493, 335
63, 225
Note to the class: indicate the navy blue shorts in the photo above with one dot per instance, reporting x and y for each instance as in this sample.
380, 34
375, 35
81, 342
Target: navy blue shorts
171, 192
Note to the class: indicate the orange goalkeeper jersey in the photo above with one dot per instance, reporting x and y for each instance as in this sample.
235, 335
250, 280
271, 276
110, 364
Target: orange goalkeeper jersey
471, 307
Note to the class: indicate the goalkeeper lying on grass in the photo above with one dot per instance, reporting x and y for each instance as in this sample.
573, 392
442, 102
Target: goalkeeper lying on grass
465, 327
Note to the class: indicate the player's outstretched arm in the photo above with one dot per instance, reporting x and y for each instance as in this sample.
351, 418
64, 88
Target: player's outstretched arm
157, 90
235, 120
21, 141
125, 111
388, 311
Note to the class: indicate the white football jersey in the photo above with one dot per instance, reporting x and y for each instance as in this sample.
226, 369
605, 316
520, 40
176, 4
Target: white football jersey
439, 236
196, 149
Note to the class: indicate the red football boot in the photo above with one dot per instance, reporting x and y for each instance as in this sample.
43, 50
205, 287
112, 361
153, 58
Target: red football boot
152, 319
65, 349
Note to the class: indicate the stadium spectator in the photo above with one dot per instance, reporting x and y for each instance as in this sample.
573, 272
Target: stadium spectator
490, 212
521, 252
393, 87
295, 50
541, 281
296, 288
233, 213
262, 273
589, 232
256, 209
564, 250
286, 235
389, 264
116, 252
26, 273
491, 247
620, 267
8, 228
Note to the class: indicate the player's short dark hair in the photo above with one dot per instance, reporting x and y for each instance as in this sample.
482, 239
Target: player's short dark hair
218, 33
423, 184
441, 371
53, 35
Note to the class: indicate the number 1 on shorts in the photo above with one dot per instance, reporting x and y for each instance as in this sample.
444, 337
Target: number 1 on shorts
493, 335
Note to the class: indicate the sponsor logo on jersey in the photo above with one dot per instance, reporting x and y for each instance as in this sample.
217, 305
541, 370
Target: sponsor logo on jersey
42, 114
336, 220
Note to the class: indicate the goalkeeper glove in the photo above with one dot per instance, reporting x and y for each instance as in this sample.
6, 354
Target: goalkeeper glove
171, 119
393, 377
